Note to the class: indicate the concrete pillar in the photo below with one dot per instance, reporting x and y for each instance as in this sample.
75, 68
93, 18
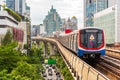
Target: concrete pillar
52, 49
45, 49
37, 44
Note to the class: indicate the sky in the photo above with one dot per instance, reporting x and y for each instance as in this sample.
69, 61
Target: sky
65, 8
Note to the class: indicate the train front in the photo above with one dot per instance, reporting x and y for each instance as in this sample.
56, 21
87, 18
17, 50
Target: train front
91, 43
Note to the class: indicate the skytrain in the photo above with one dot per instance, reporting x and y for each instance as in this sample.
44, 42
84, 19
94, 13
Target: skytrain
86, 43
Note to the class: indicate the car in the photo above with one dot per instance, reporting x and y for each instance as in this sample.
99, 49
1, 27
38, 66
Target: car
49, 69
44, 74
57, 73
47, 66
50, 73
50, 65
58, 78
53, 67
49, 78
55, 70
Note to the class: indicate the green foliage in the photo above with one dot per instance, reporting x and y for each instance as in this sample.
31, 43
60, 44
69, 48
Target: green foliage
8, 57
25, 46
14, 66
25, 70
14, 14
8, 38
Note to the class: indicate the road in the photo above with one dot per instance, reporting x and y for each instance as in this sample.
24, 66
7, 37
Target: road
51, 73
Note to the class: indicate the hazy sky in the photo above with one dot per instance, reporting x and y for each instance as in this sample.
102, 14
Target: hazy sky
65, 8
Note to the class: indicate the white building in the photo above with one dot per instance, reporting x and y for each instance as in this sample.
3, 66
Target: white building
111, 3
7, 22
42, 29
38, 30
74, 23
109, 20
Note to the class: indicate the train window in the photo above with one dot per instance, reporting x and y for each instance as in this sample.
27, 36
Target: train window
82, 39
76, 42
91, 38
100, 38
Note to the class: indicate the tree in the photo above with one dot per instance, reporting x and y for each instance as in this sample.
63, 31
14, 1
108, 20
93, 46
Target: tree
8, 38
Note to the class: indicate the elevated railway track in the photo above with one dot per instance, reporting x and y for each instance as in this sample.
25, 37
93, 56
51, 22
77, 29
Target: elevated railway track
108, 65
114, 53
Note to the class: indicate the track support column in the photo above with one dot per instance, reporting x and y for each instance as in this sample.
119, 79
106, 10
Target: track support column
45, 49
52, 49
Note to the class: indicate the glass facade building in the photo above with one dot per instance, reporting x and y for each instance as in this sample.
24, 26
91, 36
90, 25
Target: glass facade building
17, 5
101, 5
106, 20
10, 4
90, 8
20, 6
52, 21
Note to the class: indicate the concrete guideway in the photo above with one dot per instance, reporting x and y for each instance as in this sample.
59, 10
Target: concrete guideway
113, 53
80, 69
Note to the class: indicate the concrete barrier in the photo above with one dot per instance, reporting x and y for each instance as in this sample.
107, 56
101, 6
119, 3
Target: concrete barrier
79, 68
92, 74
101, 77
85, 72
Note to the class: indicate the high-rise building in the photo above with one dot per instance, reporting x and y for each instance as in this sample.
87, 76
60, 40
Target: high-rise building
18, 6
70, 23
36, 30
52, 21
74, 23
63, 24
109, 20
111, 3
10, 4
42, 29
22, 7
27, 14
90, 8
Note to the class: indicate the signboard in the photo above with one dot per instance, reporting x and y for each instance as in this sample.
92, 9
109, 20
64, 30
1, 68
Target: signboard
50, 61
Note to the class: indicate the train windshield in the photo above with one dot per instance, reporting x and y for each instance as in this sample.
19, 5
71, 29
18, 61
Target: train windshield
91, 38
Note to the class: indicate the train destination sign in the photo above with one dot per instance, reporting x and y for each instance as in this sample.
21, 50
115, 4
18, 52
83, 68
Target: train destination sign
91, 30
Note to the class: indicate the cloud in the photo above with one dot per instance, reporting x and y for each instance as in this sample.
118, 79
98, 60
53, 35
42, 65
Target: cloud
65, 8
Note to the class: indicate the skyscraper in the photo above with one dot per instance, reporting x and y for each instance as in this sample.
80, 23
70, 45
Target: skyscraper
70, 23
36, 30
52, 21
109, 20
22, 6
10, 4
17, 5
74, 23
27, 11
90, 8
